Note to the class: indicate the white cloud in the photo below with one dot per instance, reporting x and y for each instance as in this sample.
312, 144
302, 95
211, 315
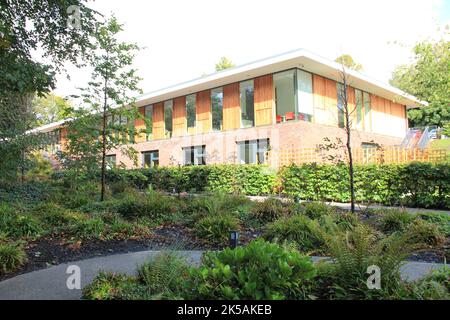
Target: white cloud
184, 39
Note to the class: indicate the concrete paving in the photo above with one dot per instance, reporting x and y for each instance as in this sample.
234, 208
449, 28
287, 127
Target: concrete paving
50, 284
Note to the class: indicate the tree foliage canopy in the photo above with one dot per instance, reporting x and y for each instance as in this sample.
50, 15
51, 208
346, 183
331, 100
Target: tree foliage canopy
224, 63
348, 62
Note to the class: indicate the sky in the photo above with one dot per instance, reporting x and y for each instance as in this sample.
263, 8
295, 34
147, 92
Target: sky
183, 39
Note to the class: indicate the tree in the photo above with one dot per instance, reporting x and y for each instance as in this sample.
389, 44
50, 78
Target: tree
108, 122
50, 108
427, 78
34, 26
348, 62
224, 63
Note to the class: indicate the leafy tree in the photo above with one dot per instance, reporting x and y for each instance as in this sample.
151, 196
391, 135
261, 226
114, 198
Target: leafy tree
428, 79
348, 62
28, 26
101, 128
50, 108
224, 63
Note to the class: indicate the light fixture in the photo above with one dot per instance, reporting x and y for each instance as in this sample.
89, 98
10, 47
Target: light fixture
234, 238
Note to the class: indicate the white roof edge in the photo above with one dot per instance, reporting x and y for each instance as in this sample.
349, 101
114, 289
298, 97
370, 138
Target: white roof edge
242, 69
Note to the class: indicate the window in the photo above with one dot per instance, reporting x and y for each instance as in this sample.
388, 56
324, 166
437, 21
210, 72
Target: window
110, 161
217, 108
305, 98
150, 159
340, 105
284, 83
194, 155
148, 114
366, 101
190, 110
247, 108
252, 151
359, 115
168, 107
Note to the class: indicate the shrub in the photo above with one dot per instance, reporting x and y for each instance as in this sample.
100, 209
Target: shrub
152, 206
164, 275
12, 257
218, 203
435, 286
441, 220
54, 215
395, 220
18, 226
93, 228
316, 210
303, 231
216, 228
423, 232
269, 210
261, 270
111, 286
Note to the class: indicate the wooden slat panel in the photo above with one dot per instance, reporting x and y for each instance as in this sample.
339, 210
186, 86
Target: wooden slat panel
139, 124
231, 107
263, 100
204, 117
158, 121
331, 102
319, 91
179, 117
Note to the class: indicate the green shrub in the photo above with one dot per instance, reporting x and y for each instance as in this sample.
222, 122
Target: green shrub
424, 232
261, 270
20, 226
111, 286
306, 233
217, 203
93, 228
52, 214
435, 286
441, 220
269, 210
395, 220
153, 206
216, 228
12, 257
164, 275
316, 210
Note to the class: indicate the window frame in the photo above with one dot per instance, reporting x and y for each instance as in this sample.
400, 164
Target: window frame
194, 155
152, 158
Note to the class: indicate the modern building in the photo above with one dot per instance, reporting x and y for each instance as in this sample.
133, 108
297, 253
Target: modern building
288, 101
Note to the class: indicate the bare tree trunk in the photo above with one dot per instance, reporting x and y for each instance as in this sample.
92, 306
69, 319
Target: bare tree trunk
103, 170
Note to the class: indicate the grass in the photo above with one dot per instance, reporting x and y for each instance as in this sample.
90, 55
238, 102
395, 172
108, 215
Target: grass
12, 257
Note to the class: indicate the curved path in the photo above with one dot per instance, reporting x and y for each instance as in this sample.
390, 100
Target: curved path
50, 284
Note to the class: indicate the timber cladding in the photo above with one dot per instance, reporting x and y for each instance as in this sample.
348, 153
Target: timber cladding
264, 100
179, 117
231, 107
204, 117
159, 130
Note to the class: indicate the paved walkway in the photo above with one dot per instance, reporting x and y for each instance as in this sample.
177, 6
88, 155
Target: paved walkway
50, 284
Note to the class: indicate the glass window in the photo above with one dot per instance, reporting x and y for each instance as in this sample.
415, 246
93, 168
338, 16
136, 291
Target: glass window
168, 107
148, 114
366, 101
284, 83
252, 151
110, 161
190, 110
247, 108
359, 102
194, 155
217, 108
150, 159
340, 105
305, 98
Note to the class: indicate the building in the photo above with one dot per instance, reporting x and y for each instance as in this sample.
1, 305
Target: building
288, 101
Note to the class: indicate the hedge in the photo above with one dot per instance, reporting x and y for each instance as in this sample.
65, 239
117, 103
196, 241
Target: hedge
415, 184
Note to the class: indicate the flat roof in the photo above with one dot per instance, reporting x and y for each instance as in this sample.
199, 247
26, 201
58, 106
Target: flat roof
299, 58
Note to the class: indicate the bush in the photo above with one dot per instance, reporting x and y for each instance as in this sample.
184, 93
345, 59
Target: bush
423, 232
12, 257
20, 226
441, 220
435, 286
153, 206
93, 228
216, 228
217, 203
316, 210
395, 220
269, 210
261, 270
164, 275
303, 231
54, 215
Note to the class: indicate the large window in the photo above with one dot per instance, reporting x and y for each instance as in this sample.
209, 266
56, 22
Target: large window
252, 151
284, 83
340, 105
247, 101
168, 107
150, 159
293, 95
194, 155
217, 108
190, 110
148, 114
110, 161
359, 112
367, 119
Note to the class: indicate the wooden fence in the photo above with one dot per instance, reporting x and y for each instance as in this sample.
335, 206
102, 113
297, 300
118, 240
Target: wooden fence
386, 155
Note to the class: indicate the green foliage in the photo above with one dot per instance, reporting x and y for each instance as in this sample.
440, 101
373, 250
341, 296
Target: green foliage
316, 210
424, 232
50, 108
348, 61
54, 215
93, 228
12, 257
261, 270
427, 79
16, 226
224, 63
306, 233
395, 220
164, 275
441, 220
269, 210
216, 228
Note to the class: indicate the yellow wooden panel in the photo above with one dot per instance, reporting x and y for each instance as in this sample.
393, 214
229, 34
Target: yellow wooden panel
263, 100
231, 107
158, 121
179, 117
204, 117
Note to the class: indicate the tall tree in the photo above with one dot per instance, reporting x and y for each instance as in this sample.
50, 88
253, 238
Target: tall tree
224, 63
108, 122
50, 108
348, 62
60, 30
427, 78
